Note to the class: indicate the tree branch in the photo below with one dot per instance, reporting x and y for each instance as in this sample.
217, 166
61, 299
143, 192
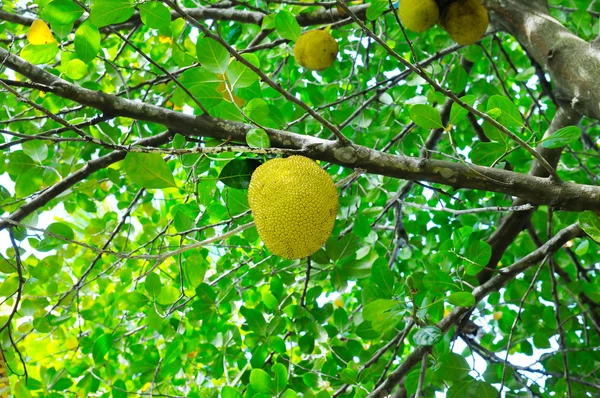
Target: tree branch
494, 284
319, 17
557, 49
535, 190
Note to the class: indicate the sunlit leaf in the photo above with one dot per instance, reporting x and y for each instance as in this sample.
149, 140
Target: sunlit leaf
39, 33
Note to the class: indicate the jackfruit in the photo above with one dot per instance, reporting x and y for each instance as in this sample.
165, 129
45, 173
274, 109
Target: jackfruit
465, 21
419, 15
294, 203
316, 50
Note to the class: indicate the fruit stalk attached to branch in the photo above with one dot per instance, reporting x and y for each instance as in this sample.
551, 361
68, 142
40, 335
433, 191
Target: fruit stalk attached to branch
294, 203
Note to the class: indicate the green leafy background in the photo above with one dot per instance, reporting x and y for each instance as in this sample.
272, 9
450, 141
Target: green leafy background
110, 306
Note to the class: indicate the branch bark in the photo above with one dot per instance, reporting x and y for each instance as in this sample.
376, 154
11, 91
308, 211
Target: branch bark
573, 63
319, 17
535, 190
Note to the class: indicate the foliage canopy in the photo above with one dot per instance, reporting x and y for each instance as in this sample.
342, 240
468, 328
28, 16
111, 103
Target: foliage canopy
464, 258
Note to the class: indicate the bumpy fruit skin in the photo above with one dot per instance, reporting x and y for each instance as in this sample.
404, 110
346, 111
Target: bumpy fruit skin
465, 21
294, 203
419, 15
316, 50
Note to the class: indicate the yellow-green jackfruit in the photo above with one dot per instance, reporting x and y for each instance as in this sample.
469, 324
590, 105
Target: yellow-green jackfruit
316, 50
465, 21
294, 203
419, 15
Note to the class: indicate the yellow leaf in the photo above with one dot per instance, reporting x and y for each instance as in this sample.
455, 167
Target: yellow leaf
338, 302
71, 343
39, 33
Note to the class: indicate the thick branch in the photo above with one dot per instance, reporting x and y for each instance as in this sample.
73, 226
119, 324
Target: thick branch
535, 190
573, 63
322, 16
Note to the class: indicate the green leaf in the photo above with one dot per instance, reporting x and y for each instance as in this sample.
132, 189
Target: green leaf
280, 377
461, 236
174, 350
62, 31
184, 216
426, 116
236, 201
206, 94
133, 301
118, 389
592, 291
255, 320
378, 307
199, 76
76, 69
486, 153
37, 150
212, 55
453, 367
9, 286
148, 170
155, 15
590, 223
168, 295
62, 12
462, 299
411, 382
311, 379
339, 249
227, 110
457, 112
481, 389
478, 254
195, 267
87, 41
287, 26
7, 267
29, 182
257, 110
40, 54
102, 346
376, 9
239, 75
493, 373
230, 392
382, 276
61, 229
582, 248
427, 336
459, 390
562, 137
348, 376
237, 172
153, 285
438, 281
510, 116
261, 382
19, 163
258, 138
108, 12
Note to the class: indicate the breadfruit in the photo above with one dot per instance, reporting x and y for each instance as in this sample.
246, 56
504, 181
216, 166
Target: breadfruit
294, 203
419, 15
315, 50
465, 21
